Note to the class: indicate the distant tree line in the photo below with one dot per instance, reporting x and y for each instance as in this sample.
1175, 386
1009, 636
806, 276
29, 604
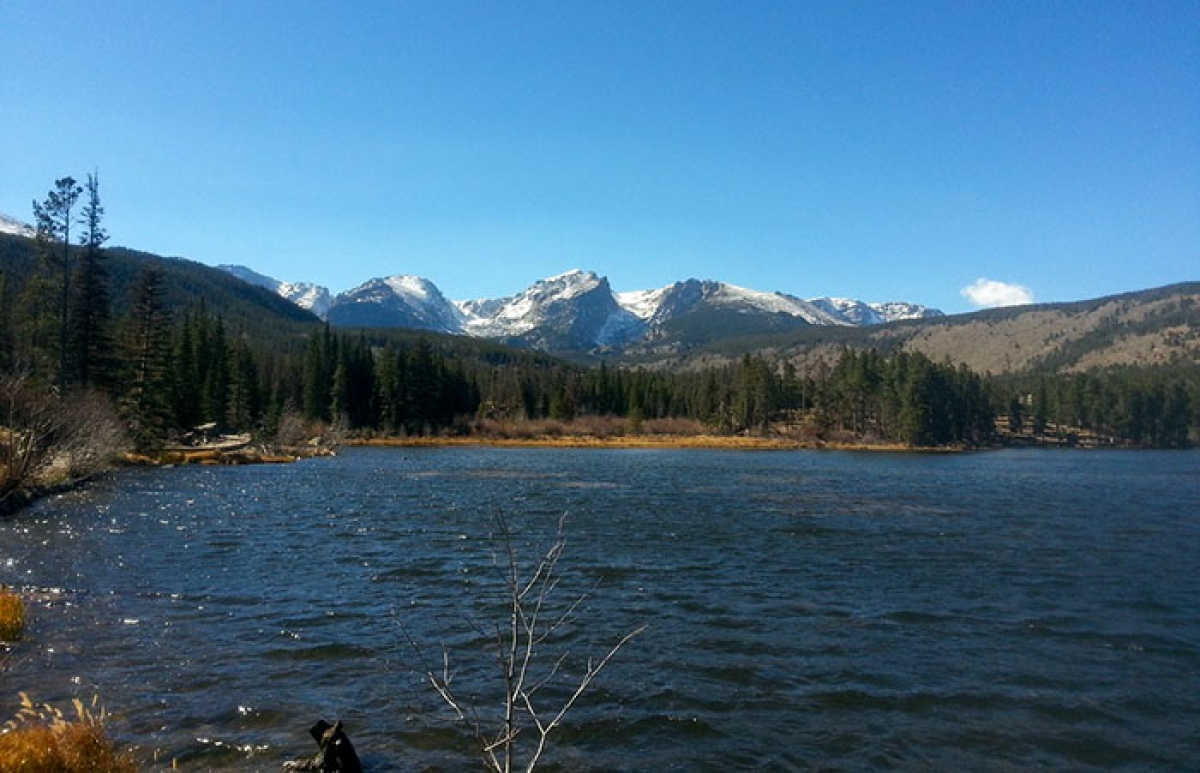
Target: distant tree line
415, 389
1158, 407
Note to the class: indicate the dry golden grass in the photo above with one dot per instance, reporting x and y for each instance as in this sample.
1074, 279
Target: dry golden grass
43, 740
615, 432
727, 442
12, 615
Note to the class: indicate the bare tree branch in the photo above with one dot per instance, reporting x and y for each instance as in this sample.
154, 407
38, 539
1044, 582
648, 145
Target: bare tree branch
527, 627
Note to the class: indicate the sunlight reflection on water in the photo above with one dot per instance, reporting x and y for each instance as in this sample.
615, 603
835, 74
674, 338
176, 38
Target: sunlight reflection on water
806, 609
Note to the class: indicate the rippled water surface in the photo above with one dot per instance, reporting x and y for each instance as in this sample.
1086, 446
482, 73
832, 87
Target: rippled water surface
1001, 610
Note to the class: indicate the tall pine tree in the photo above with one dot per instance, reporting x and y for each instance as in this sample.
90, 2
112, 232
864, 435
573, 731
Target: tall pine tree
89, 342
147, 348
53, 219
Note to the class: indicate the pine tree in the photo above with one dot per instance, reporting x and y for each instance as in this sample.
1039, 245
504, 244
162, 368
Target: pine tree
422, 388
1176, 417
244, 403
319, 362
6, 331
90, 344
147, 361
214, 375
53, 219
185, 375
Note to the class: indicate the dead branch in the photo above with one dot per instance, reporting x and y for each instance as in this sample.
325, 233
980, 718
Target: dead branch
520, 639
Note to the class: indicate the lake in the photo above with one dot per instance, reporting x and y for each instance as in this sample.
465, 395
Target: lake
984, 611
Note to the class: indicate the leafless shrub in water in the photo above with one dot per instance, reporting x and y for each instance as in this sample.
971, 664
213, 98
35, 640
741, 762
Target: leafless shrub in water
518, 736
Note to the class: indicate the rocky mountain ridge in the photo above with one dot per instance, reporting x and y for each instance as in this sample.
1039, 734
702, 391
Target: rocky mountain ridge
579, 311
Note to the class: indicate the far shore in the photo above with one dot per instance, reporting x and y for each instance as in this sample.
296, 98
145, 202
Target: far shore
726, 442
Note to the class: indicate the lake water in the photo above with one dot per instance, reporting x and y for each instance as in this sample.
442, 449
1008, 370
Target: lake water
1000, 610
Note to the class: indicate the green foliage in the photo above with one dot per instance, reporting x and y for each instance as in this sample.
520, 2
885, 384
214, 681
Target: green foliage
53, 217
1157, 407
90, 354
146, 356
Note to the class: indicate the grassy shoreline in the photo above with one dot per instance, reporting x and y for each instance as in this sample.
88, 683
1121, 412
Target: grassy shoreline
715, 442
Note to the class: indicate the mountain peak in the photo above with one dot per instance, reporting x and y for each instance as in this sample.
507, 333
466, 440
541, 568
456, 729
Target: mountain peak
569, 283
399, 300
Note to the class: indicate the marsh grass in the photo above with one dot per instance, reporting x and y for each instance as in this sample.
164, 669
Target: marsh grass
12, 615
41, 739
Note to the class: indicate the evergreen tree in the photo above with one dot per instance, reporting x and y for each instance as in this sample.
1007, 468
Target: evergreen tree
1041, 408
214, 370
1176, 420
185, 375
90, 344
421, 373
147, 361
244, 403
388, 395
7, 344
53, 220
319, 364
359, 395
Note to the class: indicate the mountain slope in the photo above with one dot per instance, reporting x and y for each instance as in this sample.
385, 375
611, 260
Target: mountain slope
15, 227
257, 313
1150, 328
306, 295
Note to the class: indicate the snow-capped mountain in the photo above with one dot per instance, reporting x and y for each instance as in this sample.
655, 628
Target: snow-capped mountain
396, 301
686, 297
306, 295
10, 225
856, 312
578, 310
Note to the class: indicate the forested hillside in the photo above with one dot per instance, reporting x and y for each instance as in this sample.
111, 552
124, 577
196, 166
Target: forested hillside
1122, 369
1146, 329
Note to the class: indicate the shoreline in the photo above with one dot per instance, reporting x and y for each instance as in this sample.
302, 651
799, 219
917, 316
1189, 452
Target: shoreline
666, 442
22, 498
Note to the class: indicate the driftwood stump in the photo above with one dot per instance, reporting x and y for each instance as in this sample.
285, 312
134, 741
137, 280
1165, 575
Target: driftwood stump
336, 753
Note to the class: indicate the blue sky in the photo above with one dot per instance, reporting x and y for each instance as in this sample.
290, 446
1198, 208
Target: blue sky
880, 150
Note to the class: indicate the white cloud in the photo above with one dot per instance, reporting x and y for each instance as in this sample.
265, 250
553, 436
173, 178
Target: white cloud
989, 293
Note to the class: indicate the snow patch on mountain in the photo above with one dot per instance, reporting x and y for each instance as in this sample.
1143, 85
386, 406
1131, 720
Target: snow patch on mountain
11, 225
306, 295
894, 311
521, 313
776, 303
642, 303
657, 307
413, 287
400, 300
857, 312
620, 327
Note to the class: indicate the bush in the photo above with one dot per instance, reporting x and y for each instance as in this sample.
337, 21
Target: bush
41, 740
12, 615
46, 440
